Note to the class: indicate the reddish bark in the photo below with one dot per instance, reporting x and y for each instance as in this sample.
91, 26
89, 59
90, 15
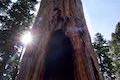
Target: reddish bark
68, 16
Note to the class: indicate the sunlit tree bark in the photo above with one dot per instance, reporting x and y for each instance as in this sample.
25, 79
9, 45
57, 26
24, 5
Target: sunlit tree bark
67, 16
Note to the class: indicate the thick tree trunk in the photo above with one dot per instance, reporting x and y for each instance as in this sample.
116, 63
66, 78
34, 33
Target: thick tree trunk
68, 17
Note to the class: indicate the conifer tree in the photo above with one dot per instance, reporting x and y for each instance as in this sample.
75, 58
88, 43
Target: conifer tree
14, 18
102, 49
115, 49
61, 45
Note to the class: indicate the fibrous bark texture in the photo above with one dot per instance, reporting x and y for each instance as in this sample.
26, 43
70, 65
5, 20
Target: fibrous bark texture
58, 19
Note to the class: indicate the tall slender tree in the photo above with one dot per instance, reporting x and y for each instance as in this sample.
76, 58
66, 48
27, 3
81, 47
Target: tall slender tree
102, 49
58, 25
115, 48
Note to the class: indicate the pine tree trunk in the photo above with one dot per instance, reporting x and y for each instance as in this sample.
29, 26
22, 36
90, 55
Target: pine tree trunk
67, 16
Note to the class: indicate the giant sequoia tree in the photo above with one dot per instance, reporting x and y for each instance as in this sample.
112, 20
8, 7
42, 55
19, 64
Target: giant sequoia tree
62, 48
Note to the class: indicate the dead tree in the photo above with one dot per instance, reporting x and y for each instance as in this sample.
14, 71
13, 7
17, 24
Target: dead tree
61, 46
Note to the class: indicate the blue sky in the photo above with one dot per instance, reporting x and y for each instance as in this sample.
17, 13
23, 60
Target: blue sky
102, 16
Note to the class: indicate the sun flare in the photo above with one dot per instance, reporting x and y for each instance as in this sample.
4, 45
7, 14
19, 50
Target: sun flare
26, 38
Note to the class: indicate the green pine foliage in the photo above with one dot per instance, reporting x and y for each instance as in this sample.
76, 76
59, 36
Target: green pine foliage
15, 17
115, 48
102, 50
